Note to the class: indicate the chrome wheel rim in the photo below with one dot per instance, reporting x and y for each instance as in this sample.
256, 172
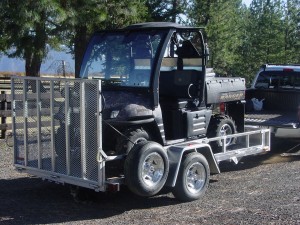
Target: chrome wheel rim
153, 169
195, 178
224, 131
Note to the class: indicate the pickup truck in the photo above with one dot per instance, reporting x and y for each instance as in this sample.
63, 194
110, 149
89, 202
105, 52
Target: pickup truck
277, 87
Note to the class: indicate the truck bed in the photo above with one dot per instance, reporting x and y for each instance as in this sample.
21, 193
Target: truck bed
272, 118
279, 108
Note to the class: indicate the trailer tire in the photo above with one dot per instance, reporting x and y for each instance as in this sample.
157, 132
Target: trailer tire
146, 168
193, 178
221, 126
134, 136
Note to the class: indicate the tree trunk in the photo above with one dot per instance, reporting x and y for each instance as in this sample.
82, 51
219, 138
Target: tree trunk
80, 43
32, 65
35, 55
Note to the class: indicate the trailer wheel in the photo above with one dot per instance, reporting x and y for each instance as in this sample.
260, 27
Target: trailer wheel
146, 168
193, 178
221, 126
134, 136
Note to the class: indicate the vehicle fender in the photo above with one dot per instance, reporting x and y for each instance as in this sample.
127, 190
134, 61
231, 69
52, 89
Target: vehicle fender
175, 154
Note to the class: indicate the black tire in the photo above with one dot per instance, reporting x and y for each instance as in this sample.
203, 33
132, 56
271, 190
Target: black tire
60, 143
134, 136
193, 178
220, 126
146, 168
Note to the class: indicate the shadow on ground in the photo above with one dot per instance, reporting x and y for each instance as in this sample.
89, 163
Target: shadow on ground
33, 201
281, 151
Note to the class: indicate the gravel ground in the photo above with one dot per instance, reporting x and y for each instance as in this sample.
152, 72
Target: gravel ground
259, 190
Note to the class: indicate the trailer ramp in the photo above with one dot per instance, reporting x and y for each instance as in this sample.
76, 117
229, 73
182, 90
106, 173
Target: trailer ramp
57, 130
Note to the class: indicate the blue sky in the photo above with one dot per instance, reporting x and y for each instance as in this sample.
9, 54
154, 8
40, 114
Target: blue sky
247, 2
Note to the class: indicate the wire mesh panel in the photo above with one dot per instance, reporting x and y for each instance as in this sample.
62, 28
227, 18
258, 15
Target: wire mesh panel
89, 121
56, 127
60, 130
18, 121
31, 106
44, 120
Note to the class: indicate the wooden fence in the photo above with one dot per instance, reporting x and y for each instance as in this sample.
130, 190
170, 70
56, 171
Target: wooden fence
5, 106
5, 113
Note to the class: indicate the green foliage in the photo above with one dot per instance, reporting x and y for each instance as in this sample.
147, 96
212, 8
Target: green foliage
223, 37
241, 39
29, 29
166, 11
291, 26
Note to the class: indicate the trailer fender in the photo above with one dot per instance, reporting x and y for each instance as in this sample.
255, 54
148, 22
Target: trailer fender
175, 154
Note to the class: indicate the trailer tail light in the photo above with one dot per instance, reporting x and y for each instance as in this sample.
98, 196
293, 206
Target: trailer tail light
288, 70
222, 107
113, 187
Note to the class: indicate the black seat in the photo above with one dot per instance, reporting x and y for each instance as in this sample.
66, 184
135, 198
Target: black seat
174, 87
187, 50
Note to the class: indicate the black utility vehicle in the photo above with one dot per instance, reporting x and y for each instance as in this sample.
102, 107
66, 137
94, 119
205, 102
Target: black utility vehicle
155, 87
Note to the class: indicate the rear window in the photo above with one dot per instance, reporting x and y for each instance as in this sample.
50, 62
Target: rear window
278, 79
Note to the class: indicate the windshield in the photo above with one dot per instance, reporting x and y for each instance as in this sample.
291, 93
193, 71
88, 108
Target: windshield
122, 58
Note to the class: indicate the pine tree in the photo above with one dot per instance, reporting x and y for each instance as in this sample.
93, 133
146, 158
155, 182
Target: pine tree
29, 29
292, 32
166, 11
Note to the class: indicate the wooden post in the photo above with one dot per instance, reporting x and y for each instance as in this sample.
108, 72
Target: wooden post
3, 106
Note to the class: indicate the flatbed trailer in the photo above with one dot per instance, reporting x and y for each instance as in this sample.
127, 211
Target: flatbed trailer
39, 136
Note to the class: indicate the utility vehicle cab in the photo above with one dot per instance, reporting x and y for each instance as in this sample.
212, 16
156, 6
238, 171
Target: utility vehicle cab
153, 83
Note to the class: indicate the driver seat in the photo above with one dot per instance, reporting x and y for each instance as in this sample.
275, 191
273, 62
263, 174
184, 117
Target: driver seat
174, 87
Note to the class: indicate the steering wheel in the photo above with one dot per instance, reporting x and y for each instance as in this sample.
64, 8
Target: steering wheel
192, 91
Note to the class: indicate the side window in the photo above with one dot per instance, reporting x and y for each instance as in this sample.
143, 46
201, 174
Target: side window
184, 52
278, 79
263, 80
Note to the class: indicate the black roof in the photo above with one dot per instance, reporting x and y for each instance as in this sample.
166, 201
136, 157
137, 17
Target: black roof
157, 25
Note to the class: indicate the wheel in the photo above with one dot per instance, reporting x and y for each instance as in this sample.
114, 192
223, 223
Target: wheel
146, 168
221, 126
193, 177
60, 143
134, 136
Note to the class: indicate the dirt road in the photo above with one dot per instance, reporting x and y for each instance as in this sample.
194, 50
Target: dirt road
260, 190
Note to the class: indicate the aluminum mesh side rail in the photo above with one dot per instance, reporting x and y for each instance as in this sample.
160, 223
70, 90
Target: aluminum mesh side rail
252, 142
57, 130
247, 143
